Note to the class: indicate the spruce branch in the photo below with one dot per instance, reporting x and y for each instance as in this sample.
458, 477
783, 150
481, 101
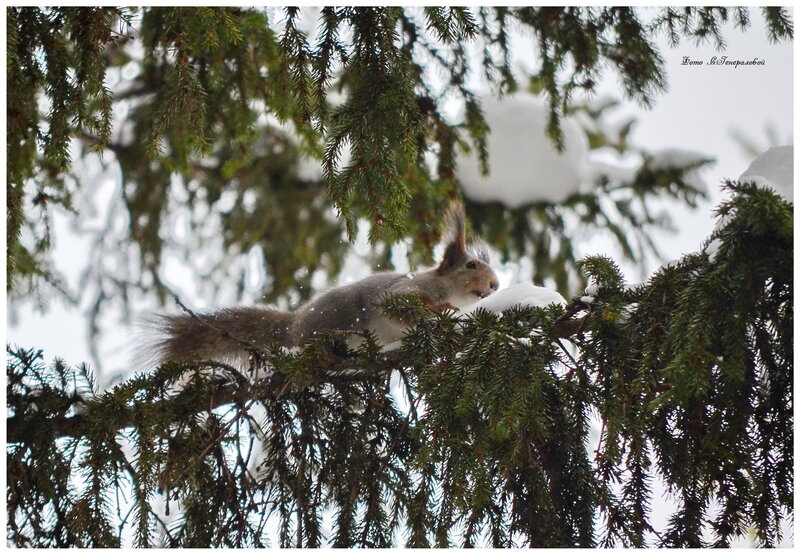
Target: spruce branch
334, 366
223, 394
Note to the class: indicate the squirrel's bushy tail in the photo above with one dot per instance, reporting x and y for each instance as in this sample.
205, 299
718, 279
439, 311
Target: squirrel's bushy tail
225, 335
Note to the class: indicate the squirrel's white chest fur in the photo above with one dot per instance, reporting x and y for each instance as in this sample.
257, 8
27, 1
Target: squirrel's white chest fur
386, 331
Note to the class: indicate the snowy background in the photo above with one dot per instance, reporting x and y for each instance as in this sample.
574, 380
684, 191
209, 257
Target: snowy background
705, 109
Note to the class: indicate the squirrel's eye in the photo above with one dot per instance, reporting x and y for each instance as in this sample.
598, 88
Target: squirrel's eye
471, 265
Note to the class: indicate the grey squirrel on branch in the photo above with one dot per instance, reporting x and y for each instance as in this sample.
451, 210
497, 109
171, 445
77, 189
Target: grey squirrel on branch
462, 277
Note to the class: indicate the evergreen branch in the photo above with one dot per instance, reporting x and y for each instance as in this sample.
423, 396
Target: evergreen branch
332, 366
224, 394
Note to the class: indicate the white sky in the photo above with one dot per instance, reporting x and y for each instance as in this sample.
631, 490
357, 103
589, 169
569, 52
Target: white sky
704, 104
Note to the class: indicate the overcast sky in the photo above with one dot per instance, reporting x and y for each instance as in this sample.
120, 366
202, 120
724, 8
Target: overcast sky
705, 104
702, 107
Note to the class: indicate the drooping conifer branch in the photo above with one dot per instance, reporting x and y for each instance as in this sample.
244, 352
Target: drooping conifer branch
239, 390
690, 375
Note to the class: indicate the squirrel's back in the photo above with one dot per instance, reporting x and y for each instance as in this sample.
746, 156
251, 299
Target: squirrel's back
351, 307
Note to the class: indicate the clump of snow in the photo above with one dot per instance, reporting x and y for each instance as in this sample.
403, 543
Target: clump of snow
592, 121
680, 159
676, 158
523, 340
617, 176
630, 286
589, 124
774, 169
590, 292
601, 102
713, 248
393, 346
625, 315
522, 294
524, 165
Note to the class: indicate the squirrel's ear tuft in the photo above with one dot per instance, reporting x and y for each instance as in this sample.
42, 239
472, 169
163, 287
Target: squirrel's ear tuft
480, 250
454, 235
455, 229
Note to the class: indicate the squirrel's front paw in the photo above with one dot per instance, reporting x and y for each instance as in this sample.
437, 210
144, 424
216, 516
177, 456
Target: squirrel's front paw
430, 305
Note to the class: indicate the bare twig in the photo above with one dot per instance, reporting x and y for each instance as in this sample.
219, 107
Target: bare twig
571, 358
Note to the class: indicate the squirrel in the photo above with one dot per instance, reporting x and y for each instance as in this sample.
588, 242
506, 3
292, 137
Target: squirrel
462, 277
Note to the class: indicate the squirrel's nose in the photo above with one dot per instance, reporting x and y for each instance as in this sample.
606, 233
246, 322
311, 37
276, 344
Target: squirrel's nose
493, 285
